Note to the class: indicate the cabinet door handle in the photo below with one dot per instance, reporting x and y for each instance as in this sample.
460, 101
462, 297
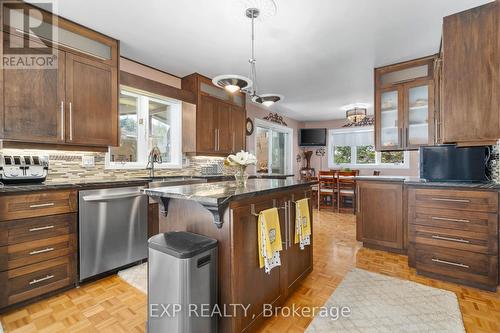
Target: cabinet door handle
407, 136
287, 220
448, 219
450, 263
70, 121
62, 120
35, 281
457, 240
450, 200
42, 251
215, 139
233, 142
42, 205
41, 228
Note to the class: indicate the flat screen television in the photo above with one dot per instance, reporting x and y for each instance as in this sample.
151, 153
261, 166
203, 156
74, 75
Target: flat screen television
312, 137
451, 163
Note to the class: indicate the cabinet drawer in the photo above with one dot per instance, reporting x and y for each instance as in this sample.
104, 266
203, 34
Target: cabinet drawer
483, 201
454, 219
26, 230
458, 266
33, 280
22, 206
454, 239
18, 255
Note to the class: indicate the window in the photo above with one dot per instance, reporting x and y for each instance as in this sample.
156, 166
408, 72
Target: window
273, 148
355, 148
146, 121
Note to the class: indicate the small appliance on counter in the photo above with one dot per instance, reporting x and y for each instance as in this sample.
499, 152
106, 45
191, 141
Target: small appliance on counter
449, 163
16, 169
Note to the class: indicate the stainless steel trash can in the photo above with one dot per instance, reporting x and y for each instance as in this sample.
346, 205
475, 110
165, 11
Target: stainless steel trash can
182, 283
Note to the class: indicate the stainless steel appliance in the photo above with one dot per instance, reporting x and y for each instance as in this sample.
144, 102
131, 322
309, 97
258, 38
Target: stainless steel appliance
23, 168
112, 229
182, 271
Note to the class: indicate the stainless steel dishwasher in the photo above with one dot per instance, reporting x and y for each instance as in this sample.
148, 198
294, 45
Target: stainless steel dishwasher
112, 229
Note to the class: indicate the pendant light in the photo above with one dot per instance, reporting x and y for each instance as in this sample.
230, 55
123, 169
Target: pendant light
234, 83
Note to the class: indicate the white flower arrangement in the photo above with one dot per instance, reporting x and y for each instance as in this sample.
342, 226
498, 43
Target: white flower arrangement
241, 159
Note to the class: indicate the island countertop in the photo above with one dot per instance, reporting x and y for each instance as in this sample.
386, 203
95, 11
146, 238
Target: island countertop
221, 193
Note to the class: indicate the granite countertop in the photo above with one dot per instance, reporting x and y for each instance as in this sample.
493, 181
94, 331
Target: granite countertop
77, 184
221, 193
414, 181
383, 178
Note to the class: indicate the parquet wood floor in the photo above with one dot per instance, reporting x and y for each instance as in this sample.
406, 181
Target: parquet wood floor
111, 305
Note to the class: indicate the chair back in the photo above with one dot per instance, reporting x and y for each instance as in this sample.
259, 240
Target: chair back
327, 179
346, 179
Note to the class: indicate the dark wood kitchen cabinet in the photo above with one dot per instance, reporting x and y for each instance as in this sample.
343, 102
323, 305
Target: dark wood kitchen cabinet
240, 279
219, 121
38, 244
470, 112
73, 104
379, 218
91, 96
404, 105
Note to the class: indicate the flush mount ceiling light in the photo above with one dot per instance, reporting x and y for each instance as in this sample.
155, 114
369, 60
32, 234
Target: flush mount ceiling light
234, 83
356, 115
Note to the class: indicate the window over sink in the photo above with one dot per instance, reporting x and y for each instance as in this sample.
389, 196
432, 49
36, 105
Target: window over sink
354, 148
147, 120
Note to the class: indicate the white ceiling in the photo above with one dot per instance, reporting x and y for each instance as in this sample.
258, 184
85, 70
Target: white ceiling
320, 54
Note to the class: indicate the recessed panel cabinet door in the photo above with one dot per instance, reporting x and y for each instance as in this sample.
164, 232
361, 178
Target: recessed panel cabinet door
380, 214
224, 130
238, 120
92, 106
32, 103
206, 132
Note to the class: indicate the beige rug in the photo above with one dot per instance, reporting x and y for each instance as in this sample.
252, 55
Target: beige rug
137, 276
380, 303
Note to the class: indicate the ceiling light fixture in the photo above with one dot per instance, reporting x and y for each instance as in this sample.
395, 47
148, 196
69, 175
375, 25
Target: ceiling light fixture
355, 115
234, 83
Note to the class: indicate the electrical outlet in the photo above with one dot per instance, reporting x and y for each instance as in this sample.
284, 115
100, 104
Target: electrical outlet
88, 161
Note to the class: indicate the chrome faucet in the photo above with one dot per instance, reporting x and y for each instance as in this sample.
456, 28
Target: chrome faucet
154, 157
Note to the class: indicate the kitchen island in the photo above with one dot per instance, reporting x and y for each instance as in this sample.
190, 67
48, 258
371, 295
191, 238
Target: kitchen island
228, 213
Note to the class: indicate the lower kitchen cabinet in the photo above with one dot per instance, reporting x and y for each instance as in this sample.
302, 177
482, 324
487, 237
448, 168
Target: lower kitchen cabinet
453, 235
240, 279
379, 216
38, 245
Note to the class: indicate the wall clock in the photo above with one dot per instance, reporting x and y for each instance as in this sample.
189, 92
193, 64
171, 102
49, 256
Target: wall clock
249, 126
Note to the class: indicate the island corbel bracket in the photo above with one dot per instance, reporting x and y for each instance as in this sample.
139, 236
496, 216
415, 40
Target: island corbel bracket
218, 214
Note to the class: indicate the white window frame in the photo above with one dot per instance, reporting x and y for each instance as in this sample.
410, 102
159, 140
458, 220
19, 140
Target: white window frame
288, 145
378, 164
143, 132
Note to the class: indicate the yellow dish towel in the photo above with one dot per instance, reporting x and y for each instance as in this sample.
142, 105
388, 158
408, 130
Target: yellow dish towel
302, 223
269, 239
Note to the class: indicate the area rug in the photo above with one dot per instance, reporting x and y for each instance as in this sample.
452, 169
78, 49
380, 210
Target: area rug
380, 303
137, 276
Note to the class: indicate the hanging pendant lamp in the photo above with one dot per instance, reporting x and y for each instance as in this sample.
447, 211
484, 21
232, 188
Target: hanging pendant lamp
234, 83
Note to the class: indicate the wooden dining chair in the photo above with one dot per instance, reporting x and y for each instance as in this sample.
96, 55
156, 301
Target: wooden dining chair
327, 190
346, 191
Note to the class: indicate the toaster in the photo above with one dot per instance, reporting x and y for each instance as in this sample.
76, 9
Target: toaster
15, 169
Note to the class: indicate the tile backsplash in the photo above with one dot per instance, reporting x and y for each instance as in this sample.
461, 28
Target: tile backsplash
67, 166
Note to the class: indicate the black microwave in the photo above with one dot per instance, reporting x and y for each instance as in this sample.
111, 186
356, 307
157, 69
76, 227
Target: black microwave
447, 163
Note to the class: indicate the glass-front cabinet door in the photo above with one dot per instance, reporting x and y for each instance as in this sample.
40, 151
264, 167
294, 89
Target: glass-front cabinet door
389, 114
419, 105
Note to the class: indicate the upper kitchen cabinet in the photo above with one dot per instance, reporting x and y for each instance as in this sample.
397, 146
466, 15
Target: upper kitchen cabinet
471, 73
218, 124
69, 101
404, 105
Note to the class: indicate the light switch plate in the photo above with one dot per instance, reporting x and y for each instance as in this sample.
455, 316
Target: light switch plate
88, 161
